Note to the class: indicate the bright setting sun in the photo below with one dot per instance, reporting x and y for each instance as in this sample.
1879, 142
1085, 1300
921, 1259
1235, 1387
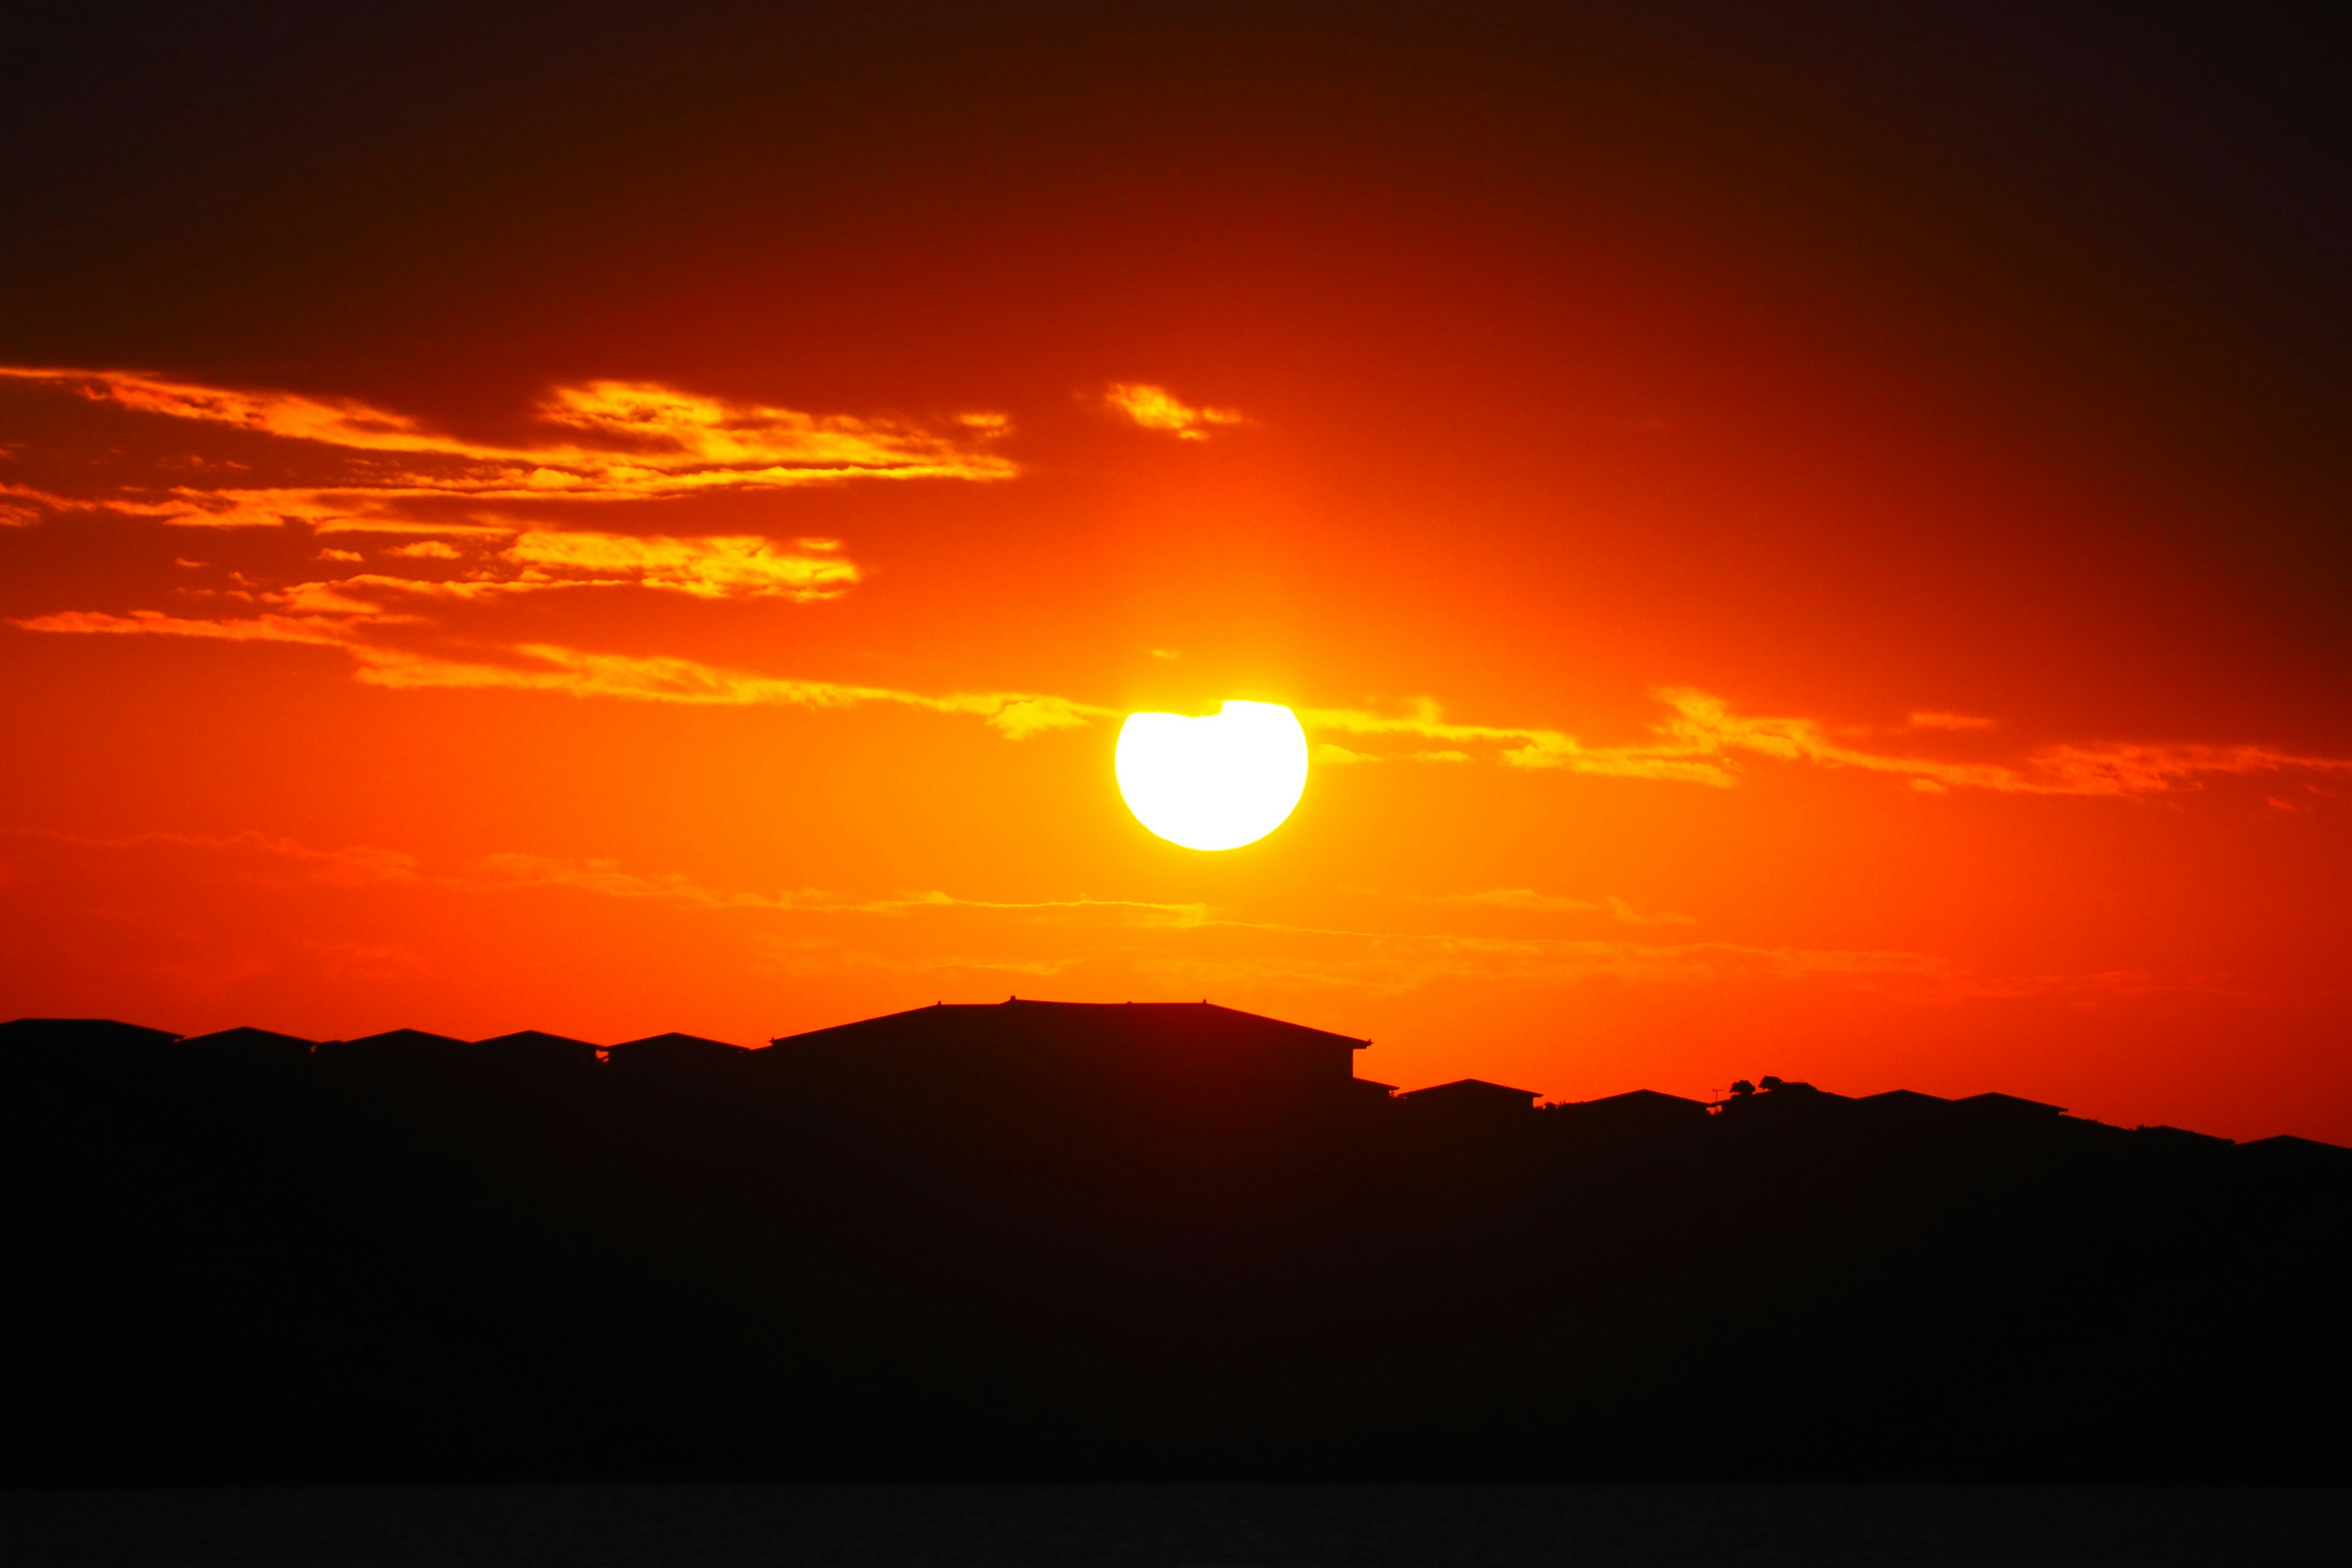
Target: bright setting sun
1214, 783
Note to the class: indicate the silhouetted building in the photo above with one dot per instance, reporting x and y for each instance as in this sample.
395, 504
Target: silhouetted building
1471, 1096
89, 1036
1063, 1241
2008, 1107
1171, 1053
1905, 1100
1798, 1104
539, 1048
1639, 1109
396, 1044
247, 1044
674, 1055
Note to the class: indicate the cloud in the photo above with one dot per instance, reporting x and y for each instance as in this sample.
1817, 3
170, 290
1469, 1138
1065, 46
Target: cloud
549, 668
154, 623
1155, 408
714, 567
1702, 740
609, 441
1528, 899
21, 506
1191, 940
1933, 720
1522, 747
358, 865
605, 877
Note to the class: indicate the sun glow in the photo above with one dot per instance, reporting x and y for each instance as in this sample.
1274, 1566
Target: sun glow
1215, 783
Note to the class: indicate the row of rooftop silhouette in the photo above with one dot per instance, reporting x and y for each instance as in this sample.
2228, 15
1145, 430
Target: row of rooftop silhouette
1039, 1239
1101, 1047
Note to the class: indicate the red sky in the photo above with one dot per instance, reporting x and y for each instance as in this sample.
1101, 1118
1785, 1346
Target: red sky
1814, 552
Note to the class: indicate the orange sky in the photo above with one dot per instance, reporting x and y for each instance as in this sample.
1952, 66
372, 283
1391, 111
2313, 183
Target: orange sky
1817, 554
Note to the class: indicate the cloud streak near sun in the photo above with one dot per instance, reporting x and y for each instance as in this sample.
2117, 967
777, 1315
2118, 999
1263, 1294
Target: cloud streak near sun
1700, 741
606, 441
612, 441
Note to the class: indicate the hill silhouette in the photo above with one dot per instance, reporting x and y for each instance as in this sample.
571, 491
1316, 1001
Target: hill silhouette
1142, 1240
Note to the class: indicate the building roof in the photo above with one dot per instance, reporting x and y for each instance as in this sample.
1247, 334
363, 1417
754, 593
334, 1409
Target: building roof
82, 1033
2010, 1104
1469, 1089
1907, 1096
399, 1039
675, 1044
947, 1020
536, 1037
537, 1045
245, 1041
1643, 1103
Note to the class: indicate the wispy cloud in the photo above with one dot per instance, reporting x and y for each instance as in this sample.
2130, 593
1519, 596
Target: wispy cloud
1699, 740
1528, 901
355, 865
1702, 740
934, 931
540, 666
607, 879
315, 629
715, 567
607, 441
1156, 408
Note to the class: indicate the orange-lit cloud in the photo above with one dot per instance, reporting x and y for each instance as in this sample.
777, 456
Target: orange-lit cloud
1528, 901
1702, 740
547, 667
356, 864
716, 567
154, 623
607, 879
615, 441
21, 506
1155, 408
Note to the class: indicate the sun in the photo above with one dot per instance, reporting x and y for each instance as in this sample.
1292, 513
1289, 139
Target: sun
1216, 783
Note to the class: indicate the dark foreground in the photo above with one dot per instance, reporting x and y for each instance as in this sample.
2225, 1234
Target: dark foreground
1115, 1526
432, 1263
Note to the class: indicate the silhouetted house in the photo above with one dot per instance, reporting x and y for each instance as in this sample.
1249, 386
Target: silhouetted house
533, 1048
1909, 1102
396, 1045
1076, 1057
78, 1046
246, 1043
82, 1034
1639, 1109
1784, 1103
1471, 1098
675, 1056
2296, 1154
1370, 1092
